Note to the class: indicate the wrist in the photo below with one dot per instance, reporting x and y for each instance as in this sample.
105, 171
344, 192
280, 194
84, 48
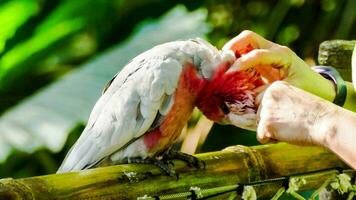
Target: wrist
311, 81
325, 128
350, 98
339, 84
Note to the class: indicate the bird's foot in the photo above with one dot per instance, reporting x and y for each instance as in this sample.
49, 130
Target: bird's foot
163, 164
189, 159
167, 167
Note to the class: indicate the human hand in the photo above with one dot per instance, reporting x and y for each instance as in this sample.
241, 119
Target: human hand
289, 114
275, 62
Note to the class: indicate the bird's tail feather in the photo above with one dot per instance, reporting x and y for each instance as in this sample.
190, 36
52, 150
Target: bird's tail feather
79, 157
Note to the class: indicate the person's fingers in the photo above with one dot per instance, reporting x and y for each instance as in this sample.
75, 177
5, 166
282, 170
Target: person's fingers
267, 62
247, 38
263, 133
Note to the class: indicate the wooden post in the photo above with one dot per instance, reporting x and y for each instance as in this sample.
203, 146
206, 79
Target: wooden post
337, 53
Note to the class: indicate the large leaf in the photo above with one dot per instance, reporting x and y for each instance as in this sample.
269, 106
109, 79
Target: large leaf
57, 30
46, 118
68, 20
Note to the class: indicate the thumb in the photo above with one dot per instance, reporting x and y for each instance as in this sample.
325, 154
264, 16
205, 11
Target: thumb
263, 134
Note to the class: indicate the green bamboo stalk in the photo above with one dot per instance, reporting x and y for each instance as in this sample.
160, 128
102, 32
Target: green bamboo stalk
231, 166
278, 194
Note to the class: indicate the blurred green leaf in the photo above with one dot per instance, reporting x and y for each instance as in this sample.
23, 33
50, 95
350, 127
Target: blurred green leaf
69, 10
341, 183
10, 21
347, 21
56, 30
18, 61
47, 117
353, 66
288, 34
52, 45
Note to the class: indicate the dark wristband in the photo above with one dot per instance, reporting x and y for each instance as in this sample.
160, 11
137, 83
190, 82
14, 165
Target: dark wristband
333, 75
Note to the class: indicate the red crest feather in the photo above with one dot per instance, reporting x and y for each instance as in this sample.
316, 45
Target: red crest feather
227, 87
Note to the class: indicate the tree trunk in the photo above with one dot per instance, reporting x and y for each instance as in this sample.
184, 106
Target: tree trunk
337, 53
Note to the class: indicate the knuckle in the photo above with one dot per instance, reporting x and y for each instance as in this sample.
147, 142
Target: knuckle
270, 91
258, 54
278, 86
260, 138
264, 121
267, 125
247, 33
262, 135
267, 103
284, 48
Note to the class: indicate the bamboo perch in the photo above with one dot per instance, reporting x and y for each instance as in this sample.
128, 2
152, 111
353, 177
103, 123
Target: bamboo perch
231, 166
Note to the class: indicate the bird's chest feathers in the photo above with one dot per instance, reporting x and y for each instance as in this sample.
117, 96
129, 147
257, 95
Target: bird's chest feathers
171, 127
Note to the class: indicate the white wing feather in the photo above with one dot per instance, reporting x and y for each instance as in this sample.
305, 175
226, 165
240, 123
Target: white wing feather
130, 104
125, 112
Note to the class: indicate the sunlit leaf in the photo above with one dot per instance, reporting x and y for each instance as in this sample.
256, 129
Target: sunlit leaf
13, 14
55, 31
13, 63
46, 118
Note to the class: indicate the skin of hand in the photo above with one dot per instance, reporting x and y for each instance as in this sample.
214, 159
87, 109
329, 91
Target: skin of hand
275, 62
289, 114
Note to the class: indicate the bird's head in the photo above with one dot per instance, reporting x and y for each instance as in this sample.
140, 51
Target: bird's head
229, 97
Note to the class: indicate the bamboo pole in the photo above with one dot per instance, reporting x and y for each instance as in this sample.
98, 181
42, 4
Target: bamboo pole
231, 166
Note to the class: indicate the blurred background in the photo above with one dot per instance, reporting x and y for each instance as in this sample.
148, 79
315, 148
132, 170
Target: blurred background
56, 56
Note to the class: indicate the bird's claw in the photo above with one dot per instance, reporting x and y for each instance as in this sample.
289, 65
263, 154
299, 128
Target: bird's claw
170, 162
163, 164
166, 166
191, 160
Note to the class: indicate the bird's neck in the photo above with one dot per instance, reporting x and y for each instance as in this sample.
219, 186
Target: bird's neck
185, 96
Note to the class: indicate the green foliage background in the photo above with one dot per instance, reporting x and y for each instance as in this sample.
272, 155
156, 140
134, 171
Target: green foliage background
42, 41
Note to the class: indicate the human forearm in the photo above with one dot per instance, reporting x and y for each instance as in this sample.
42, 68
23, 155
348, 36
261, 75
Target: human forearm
350, 102
337, 124
325, 89
320, 86
289, 114
286, 112
308, 80
275, 62
340, 134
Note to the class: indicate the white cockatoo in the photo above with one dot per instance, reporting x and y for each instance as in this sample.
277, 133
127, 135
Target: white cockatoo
144, 108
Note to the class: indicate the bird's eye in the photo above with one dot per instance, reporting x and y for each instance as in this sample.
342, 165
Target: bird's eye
224, 108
